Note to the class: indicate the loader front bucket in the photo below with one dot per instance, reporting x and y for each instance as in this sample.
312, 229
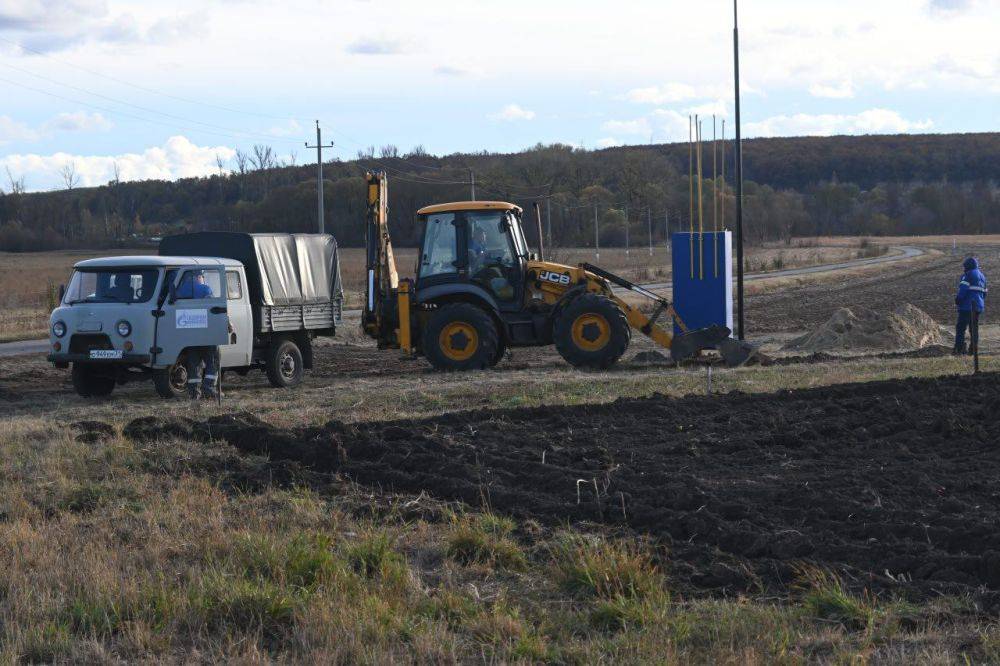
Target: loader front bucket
686, 345
734, 352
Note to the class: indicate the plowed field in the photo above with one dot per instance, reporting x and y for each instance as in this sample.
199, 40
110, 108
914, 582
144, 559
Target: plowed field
892, 484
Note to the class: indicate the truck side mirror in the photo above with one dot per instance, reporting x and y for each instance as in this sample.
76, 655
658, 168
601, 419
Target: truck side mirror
62, 292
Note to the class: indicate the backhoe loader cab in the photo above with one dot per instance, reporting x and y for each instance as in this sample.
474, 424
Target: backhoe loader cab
478, 290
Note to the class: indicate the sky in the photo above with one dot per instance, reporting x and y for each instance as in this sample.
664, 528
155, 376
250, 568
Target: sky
172, 89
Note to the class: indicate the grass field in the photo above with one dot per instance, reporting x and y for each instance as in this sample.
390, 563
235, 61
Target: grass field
176, 551
29, 282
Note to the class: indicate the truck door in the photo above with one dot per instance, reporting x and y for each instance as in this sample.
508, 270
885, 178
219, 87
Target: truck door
237, 353
195, 312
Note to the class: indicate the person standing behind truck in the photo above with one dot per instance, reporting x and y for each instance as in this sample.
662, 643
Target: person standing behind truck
971, 301
195, 288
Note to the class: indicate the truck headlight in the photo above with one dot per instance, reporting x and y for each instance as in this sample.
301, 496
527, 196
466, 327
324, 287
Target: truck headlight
59, 329
124, 328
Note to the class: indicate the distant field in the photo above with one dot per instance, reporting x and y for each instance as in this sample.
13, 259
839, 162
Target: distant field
29, 281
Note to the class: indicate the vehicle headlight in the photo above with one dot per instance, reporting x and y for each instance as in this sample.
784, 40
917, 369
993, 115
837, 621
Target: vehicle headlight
124, 328
59, 329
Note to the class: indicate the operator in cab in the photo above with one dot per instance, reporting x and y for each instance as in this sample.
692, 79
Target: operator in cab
194, 286
971, 301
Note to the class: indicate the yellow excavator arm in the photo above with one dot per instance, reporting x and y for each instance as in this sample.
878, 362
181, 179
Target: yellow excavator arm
386, 314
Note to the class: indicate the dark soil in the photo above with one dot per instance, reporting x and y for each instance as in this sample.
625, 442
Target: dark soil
892, 484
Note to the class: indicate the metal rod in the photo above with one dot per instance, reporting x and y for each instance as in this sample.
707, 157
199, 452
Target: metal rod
715, 200
541, 241
649, 228
548, 220
472, 183
597, 239
691, 194
739, 177
701, 214
626, 231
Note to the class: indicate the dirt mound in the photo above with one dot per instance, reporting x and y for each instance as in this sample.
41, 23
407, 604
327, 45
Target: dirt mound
860, 328
892, 484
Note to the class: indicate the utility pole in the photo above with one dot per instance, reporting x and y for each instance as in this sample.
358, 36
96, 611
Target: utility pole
472, 183
597, 237
319, 176
739, 177
626, 231
666, 229
649, 228
548, 220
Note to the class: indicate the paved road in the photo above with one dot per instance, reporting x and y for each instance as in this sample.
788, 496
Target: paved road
899, 253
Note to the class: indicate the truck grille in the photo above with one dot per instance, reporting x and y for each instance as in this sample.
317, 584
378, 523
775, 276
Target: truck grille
82, 343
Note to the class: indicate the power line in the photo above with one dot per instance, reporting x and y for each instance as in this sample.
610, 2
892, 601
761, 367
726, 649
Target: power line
144, 88
147, 109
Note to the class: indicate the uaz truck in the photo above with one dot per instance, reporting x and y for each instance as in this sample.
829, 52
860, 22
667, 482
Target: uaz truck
121, 319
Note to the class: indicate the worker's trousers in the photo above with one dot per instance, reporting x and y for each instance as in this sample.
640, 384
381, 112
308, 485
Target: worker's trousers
965, 322
197, 357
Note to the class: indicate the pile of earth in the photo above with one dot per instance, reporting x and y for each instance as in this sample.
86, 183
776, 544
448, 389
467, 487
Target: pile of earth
893, 485
861, 328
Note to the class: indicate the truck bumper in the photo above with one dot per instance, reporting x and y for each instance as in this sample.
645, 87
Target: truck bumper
126, 359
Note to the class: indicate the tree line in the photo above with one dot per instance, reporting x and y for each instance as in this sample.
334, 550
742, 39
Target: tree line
874, 185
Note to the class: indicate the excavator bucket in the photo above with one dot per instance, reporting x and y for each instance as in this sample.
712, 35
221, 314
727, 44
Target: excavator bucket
734, 352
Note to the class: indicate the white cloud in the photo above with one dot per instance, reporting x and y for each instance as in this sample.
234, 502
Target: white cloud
377, 46
177, 158
638, 126
671, 93
12, 130
949, 6
79, 121
872, 121
290, 128
454, 70
512, 112
842, 90
609, 142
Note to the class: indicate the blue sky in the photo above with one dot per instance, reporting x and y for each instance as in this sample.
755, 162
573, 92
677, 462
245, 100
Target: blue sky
163, 90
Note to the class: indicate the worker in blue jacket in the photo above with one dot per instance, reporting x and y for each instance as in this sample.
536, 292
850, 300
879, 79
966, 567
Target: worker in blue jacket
971, 301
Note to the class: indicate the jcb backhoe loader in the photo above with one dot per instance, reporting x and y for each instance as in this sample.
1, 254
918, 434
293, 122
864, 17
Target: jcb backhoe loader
478, 291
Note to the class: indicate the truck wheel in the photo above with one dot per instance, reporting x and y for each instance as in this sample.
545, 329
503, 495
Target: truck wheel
284, 364
90, 382
461, 337
592, 332
171, 382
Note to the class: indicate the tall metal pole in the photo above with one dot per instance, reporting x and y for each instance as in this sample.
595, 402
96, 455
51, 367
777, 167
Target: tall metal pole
548, 220
626, 231
649, 228
597, 237
472, 183
319, 177
739, 177
666, 228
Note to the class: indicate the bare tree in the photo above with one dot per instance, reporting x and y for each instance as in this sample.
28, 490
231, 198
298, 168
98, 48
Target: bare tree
293, 157
388, 151
263, 161
69, 175
16, 184
367, 153
242, 166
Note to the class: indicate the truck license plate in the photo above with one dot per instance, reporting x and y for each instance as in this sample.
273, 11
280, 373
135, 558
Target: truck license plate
105, 353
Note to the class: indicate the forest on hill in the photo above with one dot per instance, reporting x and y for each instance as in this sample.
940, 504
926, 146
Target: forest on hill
867, 185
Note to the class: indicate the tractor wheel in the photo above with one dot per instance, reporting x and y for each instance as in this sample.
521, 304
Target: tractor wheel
592, 332
91, 382
460, 337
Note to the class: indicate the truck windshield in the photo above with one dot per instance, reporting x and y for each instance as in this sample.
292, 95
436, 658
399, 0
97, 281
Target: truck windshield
111, 285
